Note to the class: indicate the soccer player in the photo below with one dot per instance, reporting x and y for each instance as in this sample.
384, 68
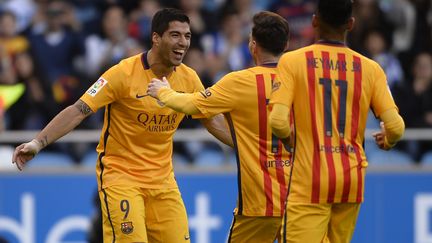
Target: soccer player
328, 88
263, 164
140, 198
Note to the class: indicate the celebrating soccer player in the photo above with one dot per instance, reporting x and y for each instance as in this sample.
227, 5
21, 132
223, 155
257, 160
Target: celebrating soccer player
328, 88
140, 198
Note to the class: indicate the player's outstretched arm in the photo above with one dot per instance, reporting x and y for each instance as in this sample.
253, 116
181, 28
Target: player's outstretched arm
62, 124
392, 129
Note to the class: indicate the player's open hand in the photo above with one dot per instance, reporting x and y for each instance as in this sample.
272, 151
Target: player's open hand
25, 152
155, 85
380, 138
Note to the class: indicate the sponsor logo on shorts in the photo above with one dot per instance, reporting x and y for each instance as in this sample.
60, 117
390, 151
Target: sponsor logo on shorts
127, 227
98, 85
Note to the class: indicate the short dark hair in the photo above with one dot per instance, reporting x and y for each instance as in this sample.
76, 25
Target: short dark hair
335, 12
270, 31
163, 17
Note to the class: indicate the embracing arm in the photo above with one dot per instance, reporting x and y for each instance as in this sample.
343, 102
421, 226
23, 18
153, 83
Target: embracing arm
180, 102
183, 102
62, 124
218, 127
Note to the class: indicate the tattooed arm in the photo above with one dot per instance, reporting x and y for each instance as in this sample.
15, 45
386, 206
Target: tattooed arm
61, 125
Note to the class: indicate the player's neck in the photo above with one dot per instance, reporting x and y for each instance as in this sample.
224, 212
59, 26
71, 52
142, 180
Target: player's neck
157, 66
266, 58
325, 33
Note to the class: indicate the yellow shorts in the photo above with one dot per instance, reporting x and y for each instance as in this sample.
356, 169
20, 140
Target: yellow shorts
333, 223
131, 214
254, 229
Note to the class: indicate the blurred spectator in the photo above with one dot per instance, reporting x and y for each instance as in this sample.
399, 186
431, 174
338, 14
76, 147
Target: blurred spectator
226, 50
55, 51
245, 10
23, 10
201, 20
11, 44
299, 16
89, 13
194, 59
7, 74
140, 21
37, 100
377, 49
9, 39
368, 15
402, 15
113, 46
422, 35
414, 100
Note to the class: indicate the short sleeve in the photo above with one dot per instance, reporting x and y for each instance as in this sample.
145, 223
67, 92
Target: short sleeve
108, 88
381, 99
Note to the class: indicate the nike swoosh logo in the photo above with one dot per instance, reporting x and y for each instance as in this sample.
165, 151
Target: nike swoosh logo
141, 96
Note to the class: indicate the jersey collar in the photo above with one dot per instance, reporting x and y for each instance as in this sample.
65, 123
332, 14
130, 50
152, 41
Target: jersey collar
144, 60
269, 64
330, 42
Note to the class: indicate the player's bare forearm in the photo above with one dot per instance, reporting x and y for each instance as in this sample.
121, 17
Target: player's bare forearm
63, 123
218, 127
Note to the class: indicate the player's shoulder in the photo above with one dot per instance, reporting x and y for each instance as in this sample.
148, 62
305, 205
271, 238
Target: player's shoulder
129, 64
184, 69
362, 57
239, 75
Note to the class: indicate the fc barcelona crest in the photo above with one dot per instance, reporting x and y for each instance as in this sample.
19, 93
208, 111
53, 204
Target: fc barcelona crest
127, 227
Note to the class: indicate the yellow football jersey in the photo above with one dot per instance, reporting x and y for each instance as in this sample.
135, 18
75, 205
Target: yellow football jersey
136, 142
263, 163
331, 89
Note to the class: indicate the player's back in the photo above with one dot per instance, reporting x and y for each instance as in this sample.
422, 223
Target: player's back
263, 163
332, 89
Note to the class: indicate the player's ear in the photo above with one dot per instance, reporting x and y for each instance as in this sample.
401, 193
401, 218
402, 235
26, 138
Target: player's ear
155, 38
351, 23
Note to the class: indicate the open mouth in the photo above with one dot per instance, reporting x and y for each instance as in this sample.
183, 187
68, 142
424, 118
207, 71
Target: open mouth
179, 53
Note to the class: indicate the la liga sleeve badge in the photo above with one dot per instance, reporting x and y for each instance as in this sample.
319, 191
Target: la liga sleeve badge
98, 85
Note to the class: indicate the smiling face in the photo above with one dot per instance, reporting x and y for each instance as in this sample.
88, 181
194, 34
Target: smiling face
173, 43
